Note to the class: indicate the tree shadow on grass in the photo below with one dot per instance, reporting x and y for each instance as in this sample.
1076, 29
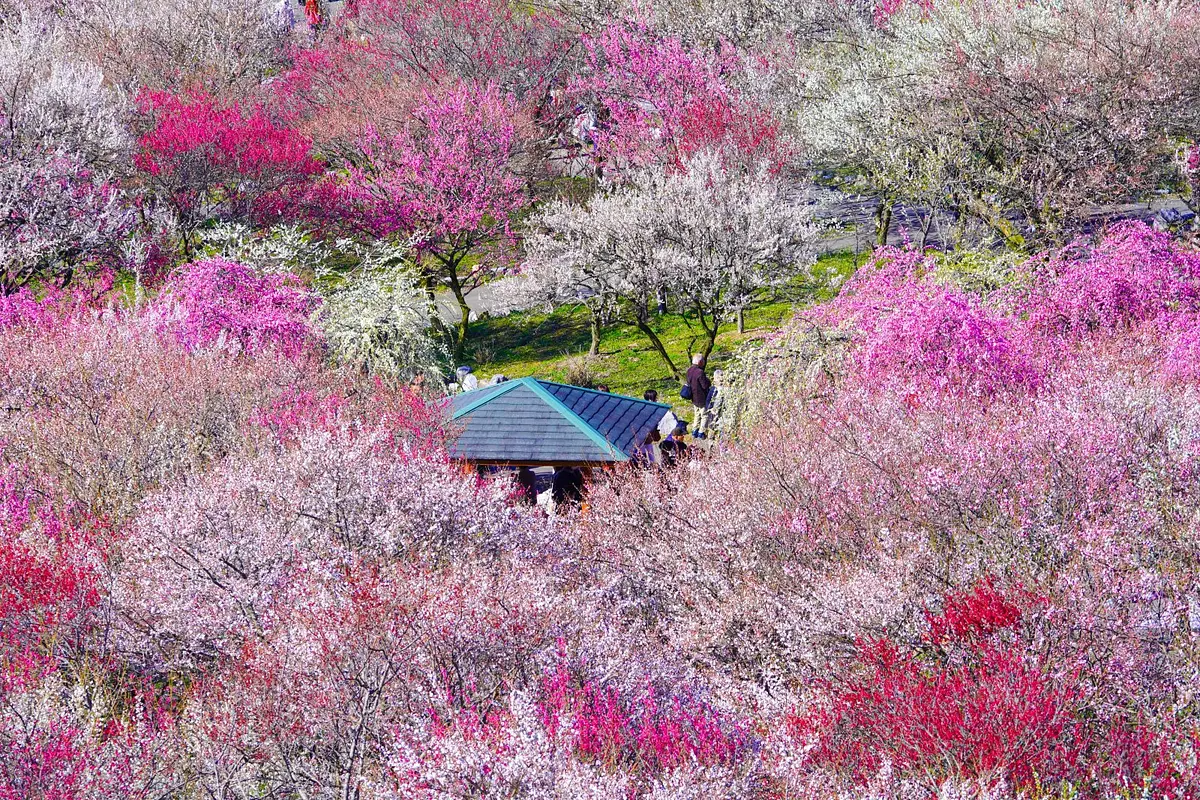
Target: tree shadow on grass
530, 337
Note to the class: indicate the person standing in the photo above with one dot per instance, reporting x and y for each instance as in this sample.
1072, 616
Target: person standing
567, 487
526, 487
699, 385
645, 455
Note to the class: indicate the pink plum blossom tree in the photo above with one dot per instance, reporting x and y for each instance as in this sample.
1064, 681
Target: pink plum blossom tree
449, 180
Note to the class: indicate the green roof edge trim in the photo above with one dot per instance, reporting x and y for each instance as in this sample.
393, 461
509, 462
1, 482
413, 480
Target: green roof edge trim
505, 388
575, 419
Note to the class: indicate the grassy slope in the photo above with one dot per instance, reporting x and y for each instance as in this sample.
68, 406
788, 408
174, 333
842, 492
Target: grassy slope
551, 345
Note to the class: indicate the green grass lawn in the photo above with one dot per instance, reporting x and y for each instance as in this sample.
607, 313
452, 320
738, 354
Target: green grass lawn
554, 346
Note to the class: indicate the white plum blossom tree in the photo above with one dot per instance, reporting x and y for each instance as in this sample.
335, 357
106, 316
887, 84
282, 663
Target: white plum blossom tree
379, 323
226, 47
708, 237
602, 254
728, 235
60, 137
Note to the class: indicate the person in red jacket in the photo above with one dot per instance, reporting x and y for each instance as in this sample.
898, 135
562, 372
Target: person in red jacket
312, 12
698, 382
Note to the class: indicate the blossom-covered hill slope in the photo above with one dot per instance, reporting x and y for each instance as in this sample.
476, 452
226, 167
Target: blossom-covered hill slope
952, 552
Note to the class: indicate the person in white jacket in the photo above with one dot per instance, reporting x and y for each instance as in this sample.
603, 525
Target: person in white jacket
666, 425
464, 380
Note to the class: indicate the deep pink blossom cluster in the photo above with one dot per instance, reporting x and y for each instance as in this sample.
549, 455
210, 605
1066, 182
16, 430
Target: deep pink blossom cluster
917, 333
223, 304
663, 101
652, 734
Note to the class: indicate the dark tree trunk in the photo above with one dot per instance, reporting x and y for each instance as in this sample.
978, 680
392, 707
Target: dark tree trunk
883, 222
594, 348
659, 347
463, 328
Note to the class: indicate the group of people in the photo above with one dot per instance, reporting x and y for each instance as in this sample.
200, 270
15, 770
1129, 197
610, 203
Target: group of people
664, 451
465, 380
665, 445
566, 488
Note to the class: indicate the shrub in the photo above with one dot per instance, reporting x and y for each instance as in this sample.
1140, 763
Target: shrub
1132, 275
917, 335
379, 323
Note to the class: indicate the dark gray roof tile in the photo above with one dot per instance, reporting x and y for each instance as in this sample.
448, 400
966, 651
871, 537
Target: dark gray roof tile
515, 422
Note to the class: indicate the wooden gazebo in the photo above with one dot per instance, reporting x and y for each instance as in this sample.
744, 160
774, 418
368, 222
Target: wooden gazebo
536, 423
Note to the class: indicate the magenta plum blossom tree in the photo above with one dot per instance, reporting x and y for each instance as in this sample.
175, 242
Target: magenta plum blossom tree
449, 180
658, 101
385, 56
228, 306
918, 334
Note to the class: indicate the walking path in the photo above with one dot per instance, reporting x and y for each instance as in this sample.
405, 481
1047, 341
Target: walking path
852, 222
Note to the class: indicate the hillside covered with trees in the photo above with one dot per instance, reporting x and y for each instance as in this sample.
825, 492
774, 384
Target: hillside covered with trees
945, 544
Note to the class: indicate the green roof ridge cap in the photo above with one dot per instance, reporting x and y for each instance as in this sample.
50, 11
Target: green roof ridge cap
504, 389
574, 419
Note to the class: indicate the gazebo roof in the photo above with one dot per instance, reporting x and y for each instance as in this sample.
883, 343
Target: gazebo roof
531, 421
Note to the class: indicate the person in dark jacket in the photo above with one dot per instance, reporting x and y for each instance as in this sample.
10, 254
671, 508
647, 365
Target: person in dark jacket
527, 485
567, 488
698, 382
673, 449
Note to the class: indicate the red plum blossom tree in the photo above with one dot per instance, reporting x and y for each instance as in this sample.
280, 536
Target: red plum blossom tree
206, 160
